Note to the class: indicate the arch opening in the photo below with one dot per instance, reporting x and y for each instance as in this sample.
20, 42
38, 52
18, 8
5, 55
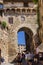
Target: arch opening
27, 39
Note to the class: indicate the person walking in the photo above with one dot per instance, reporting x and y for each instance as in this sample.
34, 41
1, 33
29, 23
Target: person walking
24, 62
19, 59
36, 61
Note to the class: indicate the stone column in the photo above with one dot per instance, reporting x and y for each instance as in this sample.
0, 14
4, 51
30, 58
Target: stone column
15, 10
26, 10
31, 10
21, 10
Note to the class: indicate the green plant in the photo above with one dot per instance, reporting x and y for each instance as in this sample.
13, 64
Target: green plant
3, 24
35, 1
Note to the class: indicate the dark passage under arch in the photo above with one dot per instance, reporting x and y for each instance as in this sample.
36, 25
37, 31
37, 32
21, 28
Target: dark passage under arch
28, 37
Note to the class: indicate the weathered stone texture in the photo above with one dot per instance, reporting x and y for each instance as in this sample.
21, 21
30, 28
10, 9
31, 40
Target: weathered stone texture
8, 38
41, 19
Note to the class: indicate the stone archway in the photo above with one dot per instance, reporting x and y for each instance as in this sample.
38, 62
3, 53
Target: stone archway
28, 38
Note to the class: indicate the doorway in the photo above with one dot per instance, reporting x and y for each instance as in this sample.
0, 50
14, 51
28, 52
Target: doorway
27, 37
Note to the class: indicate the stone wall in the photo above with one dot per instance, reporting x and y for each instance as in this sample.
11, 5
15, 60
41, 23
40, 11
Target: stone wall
8, 38
4, 44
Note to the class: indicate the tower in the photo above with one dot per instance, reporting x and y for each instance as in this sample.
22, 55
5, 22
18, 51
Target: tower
19, 16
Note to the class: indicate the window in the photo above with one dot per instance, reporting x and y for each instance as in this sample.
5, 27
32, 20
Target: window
10, 20
25, 4
22, 18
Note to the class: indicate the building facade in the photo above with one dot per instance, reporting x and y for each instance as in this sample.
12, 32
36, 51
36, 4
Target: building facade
21, 48
41, 19
19, 16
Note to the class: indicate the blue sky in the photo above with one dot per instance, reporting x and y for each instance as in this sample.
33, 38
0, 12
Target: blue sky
21, 38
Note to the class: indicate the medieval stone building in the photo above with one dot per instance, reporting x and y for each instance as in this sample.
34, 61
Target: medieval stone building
19, 16
40, 23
